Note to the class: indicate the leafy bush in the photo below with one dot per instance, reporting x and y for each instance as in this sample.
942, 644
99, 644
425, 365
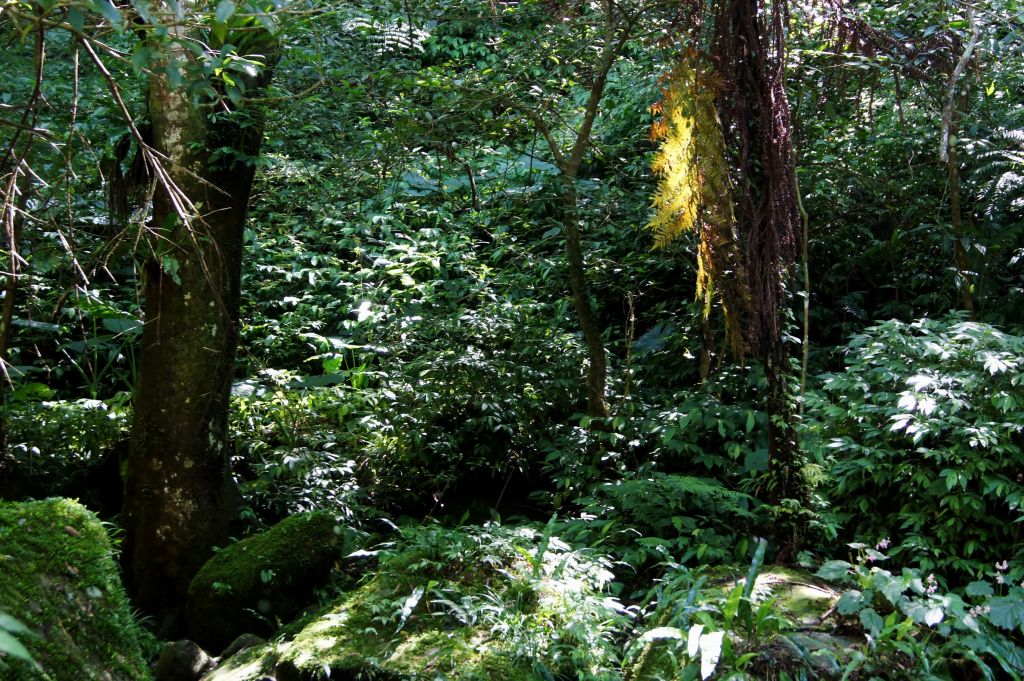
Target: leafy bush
654, 517
296, 450
467, 603
923, 436
541, 601
914, 630
64, 448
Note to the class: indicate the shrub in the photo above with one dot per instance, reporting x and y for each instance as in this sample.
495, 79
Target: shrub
913, 629
923, 437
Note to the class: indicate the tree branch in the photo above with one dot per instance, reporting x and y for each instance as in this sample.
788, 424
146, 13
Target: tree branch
947, 111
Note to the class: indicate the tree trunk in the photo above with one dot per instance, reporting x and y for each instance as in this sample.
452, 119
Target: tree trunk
597, 370
783, 450
956, 219
179, 494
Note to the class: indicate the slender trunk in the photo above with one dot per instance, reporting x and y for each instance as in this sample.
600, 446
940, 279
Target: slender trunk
956, 219
707, 347
952, 113
783, 461
805, 346
597, 370
179, 494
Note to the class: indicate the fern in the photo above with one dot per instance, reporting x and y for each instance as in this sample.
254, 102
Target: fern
653, 501
1000, 171
695, 191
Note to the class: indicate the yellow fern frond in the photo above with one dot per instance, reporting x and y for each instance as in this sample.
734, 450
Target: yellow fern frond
695, 192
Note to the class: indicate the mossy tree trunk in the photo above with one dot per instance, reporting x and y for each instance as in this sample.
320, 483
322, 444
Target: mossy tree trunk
179, 494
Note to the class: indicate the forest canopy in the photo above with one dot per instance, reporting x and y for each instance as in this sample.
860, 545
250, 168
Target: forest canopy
536, 339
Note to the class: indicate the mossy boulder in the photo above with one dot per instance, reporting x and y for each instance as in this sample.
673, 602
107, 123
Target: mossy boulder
464, 605
58, 576
255, 584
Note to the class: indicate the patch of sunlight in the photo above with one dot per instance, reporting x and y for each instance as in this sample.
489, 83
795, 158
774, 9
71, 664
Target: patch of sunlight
327, 622
230, 672
326, 642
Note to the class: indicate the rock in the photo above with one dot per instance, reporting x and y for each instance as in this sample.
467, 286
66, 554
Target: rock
263, 580
241, 643
58, 576
182, 661
287, 671
808, 644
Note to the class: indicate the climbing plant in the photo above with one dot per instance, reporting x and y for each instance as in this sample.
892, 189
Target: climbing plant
751, 260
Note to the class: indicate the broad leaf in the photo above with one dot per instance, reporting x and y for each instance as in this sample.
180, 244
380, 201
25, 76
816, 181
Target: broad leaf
833, 569
1006, 612
693, 641
710, 652
979, 588
871, 620
13, 647
850, 602
662, 634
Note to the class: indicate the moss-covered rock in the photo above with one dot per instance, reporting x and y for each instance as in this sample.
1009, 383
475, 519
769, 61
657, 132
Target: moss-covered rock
265, 579
489, 603
58, 576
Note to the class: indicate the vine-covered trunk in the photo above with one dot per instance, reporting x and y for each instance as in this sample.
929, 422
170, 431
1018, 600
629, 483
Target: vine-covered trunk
784, 458
179, 494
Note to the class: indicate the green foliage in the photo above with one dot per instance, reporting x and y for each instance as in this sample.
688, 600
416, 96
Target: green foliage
881, 240
664, 516
536, 580
10, 645
694, 628
915, 630
465, 603
1000, 172
59, 447
922, 435
409, 344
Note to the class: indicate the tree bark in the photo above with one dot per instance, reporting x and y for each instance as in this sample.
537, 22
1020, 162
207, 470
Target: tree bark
179, 494
959, 235
597, 370
960, 259
951, 115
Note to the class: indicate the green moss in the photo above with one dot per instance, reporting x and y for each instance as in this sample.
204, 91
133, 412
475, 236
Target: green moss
58, 576
464, 605
272, 573
285, 548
